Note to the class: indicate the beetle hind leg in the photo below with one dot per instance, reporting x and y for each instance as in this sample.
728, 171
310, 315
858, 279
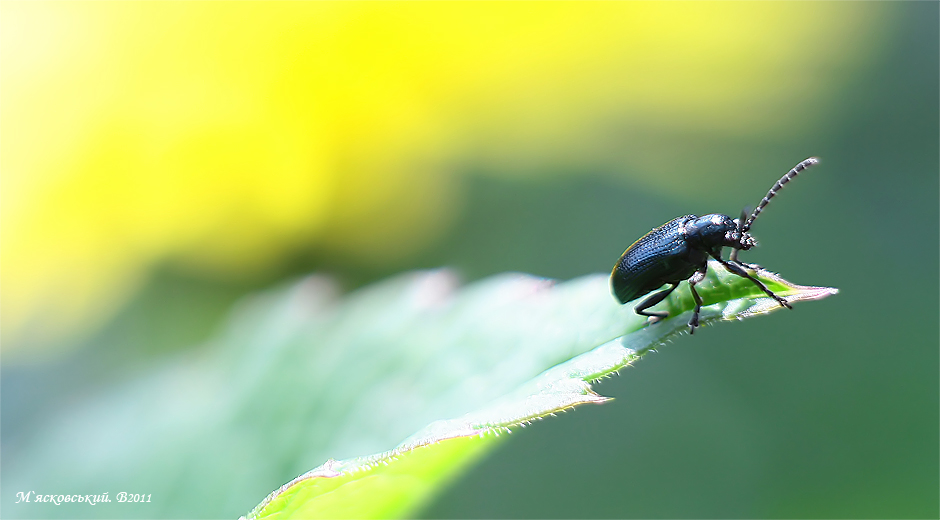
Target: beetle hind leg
653, 300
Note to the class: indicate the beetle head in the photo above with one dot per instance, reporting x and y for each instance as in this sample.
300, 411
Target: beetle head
740, 239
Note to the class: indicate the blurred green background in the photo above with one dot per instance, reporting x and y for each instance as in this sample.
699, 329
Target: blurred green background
159, 161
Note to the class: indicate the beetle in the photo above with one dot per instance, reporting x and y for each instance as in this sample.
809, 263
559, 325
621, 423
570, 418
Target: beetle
679, 250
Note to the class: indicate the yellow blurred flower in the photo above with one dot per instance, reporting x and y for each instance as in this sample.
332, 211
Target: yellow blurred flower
225, 135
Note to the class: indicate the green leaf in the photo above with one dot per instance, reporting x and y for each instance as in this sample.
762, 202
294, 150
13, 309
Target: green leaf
497, 354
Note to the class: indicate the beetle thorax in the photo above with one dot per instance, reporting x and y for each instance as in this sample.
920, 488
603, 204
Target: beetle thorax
710, 231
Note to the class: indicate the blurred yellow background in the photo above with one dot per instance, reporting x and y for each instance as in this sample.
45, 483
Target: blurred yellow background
222, 136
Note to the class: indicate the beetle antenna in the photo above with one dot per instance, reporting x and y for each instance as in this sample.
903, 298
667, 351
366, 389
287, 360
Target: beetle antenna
773, 191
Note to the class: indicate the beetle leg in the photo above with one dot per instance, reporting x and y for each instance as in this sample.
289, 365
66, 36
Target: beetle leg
653, 300
736, 268
696, 278
740, 221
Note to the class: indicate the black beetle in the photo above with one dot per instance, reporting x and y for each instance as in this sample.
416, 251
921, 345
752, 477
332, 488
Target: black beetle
679, 250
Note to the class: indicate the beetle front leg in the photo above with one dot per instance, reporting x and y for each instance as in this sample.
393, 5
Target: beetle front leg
696, 278
735, 268
653, 300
